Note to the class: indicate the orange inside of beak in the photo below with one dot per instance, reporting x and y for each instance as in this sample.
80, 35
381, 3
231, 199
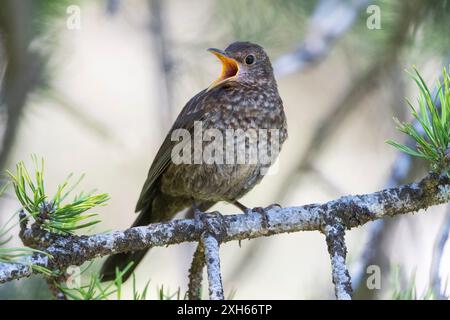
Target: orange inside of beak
230, 68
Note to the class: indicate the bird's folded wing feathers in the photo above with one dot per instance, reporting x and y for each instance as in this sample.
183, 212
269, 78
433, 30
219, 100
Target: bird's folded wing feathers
191, 112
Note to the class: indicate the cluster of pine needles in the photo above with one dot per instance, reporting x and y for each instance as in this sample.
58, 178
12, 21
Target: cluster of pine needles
431, 130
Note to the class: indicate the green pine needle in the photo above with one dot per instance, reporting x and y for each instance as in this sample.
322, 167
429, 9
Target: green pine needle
54, 215
166, 295
410, 292
433, 118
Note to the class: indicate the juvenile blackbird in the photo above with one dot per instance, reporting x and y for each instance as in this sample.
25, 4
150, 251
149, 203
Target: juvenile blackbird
245, 96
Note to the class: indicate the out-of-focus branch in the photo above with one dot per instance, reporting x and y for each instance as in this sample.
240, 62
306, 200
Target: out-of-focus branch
329, 125
334, 234
59, 252
372, 251
360, 88
330, 21
23, 68
196, 273
112, 6
441, 240
160, 44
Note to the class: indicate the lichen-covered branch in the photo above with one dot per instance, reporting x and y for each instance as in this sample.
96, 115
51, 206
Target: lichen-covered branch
196, 273
337, 249
351, 211
212, 259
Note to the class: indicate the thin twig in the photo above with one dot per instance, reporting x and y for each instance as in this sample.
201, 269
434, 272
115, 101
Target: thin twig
112, 7
158, 29
212, 259
368, 254
337, 249
196, 273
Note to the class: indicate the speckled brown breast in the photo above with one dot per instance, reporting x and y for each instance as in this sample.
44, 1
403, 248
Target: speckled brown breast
240, 108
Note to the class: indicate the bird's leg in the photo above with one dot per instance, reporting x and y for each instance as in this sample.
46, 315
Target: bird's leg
241, 206
273, 205
199, 215
246, 209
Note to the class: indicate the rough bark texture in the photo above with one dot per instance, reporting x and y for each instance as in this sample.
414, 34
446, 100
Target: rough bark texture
337, 249
212, 259
196, 273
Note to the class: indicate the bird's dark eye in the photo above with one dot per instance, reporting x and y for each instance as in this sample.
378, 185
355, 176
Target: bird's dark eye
249, 59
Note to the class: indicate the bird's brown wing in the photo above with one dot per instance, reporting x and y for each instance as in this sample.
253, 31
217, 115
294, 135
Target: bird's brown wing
191, 112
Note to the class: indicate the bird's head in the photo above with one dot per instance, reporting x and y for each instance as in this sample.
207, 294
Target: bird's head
243, 62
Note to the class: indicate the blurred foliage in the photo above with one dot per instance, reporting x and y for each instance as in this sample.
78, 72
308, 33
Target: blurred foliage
276, 24
48, 21
425, 22
409, 292
46, 13
432, 136
165, 294
34, 288
434, 34
281, 24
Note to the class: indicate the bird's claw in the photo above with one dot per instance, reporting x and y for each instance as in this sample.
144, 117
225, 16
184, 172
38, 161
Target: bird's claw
263, 212
212, 222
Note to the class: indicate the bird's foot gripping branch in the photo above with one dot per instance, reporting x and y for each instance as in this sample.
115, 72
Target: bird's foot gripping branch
47, 225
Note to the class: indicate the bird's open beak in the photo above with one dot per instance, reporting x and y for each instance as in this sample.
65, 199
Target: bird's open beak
230, 67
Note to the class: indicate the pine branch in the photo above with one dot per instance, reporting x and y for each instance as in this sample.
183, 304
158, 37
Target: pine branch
62, 251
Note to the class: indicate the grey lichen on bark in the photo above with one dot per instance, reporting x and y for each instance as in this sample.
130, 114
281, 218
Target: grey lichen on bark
334, 235
349, 211
212, 259
196, 273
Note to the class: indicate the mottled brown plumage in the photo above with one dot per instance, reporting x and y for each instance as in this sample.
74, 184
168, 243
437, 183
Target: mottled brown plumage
244, 97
